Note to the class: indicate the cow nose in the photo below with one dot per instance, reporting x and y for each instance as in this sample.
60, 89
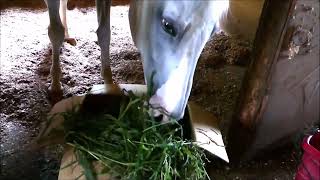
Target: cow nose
159, 114
158, 103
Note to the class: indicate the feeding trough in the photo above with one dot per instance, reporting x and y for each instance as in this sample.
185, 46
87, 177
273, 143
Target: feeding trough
201, 126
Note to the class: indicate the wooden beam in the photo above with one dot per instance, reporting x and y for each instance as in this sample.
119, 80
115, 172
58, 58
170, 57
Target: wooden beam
267, 44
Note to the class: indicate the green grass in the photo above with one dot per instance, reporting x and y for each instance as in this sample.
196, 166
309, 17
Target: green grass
132, 145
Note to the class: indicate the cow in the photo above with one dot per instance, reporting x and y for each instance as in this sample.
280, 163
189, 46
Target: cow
169, 34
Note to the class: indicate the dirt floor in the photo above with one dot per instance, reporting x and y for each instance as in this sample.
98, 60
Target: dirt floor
24, 79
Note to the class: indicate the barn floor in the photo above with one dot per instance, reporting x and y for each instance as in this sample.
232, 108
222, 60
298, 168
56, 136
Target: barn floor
24, 79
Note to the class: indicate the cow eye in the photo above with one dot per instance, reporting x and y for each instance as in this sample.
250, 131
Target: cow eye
168, 27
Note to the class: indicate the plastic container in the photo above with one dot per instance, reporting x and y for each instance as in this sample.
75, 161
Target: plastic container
309, 168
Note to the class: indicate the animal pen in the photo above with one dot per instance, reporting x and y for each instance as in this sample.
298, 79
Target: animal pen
264, 95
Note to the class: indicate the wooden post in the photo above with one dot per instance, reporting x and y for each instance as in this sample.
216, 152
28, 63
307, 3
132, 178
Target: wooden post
267, 45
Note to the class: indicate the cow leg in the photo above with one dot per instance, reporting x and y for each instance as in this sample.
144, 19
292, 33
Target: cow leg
63, 15
103, 33
56, 36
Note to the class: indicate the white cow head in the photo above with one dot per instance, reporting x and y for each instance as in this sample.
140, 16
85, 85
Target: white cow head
171, 34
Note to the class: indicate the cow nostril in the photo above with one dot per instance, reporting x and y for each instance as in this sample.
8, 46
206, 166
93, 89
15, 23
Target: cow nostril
158, 118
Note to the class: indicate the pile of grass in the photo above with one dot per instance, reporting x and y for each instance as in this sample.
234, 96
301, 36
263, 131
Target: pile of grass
132, 144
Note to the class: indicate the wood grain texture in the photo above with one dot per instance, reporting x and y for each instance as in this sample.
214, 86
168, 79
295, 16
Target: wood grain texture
272, 27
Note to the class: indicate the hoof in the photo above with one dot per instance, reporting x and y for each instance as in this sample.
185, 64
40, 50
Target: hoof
55, 96
71, 41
